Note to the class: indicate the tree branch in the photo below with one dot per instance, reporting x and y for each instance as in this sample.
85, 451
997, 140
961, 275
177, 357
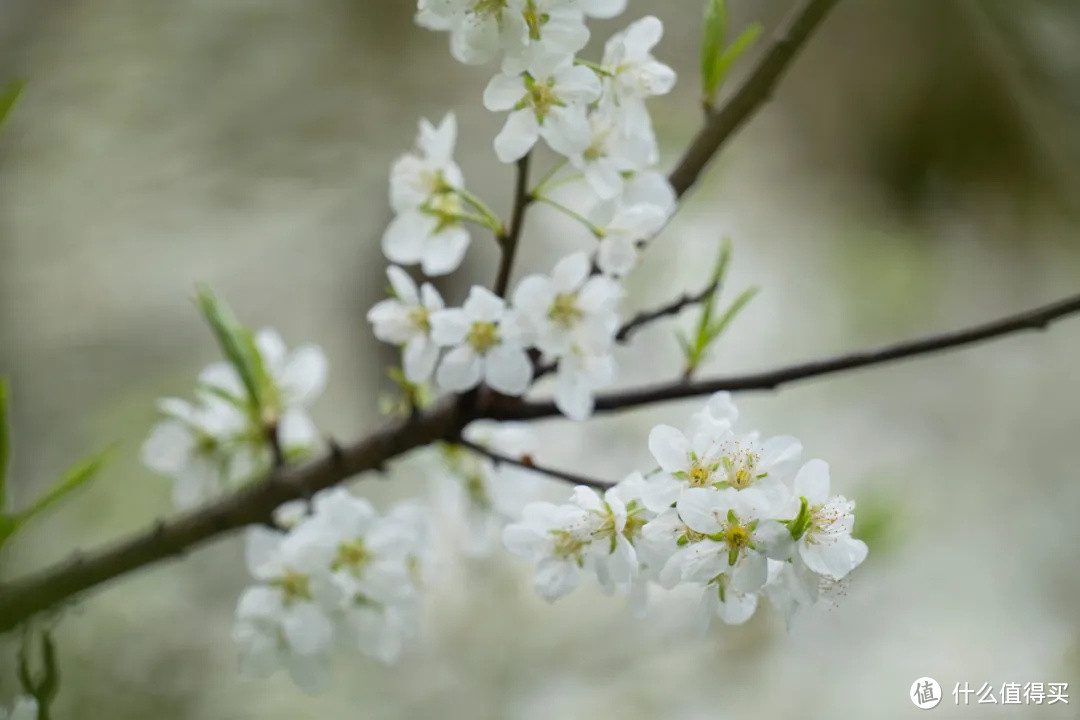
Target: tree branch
508, 241
1036, 319
255, 504
528, 464
755, 89
22, 598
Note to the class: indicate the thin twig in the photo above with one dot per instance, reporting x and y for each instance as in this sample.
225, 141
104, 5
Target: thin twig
508, 241
1036, 319
674, 307
528, 464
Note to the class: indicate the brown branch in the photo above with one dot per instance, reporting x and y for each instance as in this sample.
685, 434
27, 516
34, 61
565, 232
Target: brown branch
1036, 319
508, 240
755, 89
31, 594
528, 464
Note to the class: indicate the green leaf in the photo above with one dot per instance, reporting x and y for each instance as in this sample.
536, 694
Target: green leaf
5, 442
73, 478
713, 38
9, 95
237, 344
736, 307
731, 55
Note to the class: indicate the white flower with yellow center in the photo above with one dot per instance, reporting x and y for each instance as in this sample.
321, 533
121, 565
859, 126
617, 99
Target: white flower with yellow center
715, 457
433, 235
368, 558
617, 147
588, 533
479, 29
486, 344
205, 447
632, 71
550, 100
739, 536
285, 621
405, 320
569, 305
824, 524
220, 441
417, 177
556, 538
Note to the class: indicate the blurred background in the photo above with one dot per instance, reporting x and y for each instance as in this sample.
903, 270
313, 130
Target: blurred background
917, 171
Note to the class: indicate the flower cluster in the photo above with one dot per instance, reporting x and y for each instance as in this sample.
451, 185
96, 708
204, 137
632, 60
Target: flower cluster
729, 514
486, 494
25, 708
340, 577
593, 115
732, 515
221, 440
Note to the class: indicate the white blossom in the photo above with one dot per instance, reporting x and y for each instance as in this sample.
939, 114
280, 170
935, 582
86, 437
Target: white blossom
587, 368
433, 236
550, 100
586, 534
485, 494
418, 177
569, 306
735, 534
826, 546
620, 235
486, 344
205, 447
714, 456
284, 620
481, 30
368, 562
221, 440
618, 145
405, 320
634, 74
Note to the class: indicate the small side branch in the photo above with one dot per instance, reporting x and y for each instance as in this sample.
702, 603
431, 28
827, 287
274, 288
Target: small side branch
672, 308
754, 91
528, 464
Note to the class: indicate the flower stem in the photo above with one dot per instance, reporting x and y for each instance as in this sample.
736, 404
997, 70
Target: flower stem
593, 228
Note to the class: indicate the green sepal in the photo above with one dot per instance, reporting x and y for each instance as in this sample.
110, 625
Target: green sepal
799, 525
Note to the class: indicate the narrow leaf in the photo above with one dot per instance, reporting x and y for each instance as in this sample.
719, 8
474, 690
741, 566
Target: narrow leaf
235, 342
5, 442
731, 55
736, 307
73, 478
713, 38
9, 95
